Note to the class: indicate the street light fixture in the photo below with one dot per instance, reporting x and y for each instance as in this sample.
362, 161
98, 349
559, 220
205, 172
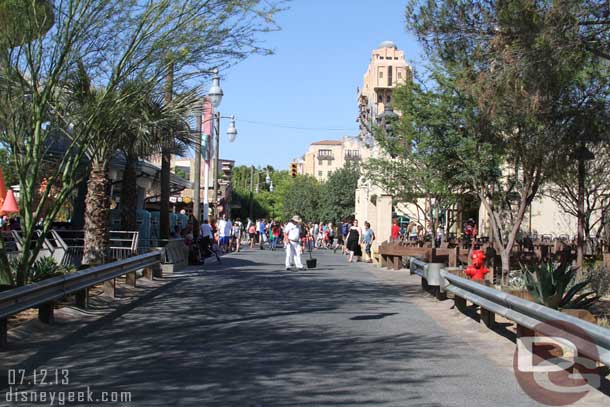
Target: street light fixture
215, 93
232, 130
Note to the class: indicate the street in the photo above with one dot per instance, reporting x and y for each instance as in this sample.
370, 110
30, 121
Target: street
248, 333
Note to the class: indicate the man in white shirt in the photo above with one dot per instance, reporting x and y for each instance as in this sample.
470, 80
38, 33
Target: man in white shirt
292, 236
224, 232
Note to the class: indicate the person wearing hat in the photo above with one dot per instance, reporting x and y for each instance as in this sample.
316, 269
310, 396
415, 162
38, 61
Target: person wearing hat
292, 235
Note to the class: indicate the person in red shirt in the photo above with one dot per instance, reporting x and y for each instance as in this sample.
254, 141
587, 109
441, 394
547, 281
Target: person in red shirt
395, 230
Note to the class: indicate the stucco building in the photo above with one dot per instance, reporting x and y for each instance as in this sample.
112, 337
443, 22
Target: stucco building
387, 70
326, 156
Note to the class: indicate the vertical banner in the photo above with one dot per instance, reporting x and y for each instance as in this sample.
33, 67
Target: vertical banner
206, 129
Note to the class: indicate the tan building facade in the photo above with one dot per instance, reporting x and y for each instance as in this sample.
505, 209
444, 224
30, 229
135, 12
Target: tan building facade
387, 70
326, 156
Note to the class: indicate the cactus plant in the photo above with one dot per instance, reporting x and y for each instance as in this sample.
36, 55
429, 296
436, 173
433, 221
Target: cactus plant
549, 284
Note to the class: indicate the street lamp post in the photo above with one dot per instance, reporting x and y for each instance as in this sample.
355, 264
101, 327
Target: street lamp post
232, 134
215, 95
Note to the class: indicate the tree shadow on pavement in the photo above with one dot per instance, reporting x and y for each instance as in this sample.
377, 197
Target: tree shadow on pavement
241, 335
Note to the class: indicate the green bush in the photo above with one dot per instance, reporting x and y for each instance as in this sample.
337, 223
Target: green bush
599, 278
552, 285
43, 268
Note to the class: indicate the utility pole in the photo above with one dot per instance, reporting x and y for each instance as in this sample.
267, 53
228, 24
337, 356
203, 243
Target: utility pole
197, 170
217, 153
252, 193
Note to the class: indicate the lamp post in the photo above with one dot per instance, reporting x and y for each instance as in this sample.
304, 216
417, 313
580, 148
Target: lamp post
232, 134
256, 189
215, 95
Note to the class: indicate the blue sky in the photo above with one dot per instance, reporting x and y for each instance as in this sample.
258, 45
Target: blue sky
321, 55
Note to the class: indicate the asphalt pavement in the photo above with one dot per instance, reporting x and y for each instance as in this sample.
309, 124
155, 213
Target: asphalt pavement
248, 333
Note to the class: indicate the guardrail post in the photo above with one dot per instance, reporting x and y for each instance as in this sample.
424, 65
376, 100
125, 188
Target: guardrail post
131, 278
147, 273
523, 332
460, 304
81, 298
488, 318
3, 333
110, 287
46, 313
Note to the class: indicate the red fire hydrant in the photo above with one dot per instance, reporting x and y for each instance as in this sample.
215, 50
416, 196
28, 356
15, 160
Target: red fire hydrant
477, 270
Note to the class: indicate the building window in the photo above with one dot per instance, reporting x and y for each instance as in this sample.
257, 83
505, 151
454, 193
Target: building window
399, 75
380, 74
325, 153
379, 98
389, 76
319, 173
396, 58
320, 162
388, 99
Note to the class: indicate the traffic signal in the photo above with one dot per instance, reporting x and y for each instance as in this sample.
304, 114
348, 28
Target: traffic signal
293, 170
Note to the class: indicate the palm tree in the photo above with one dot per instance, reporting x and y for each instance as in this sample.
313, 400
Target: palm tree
161, 126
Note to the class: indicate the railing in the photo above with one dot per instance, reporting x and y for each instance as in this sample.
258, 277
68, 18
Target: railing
325, 156
529, 315
44, 293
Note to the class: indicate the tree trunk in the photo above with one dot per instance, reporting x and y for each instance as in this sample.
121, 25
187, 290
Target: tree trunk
166, 158
580, 240
129, 194
505, 256
97, 214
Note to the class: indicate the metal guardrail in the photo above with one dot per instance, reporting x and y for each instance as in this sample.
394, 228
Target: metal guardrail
529, 314
431, 272
52, 289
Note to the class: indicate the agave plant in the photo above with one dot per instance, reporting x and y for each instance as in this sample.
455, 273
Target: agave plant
550, 284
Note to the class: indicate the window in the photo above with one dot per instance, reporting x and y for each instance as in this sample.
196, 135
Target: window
380, 57
389, 76
379, 98
319, 173
396, 58
388, 99
399, 75
325, 153
320, 162
380, 74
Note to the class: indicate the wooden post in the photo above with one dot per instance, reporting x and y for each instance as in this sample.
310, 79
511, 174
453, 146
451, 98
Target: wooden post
397, 262
110, 287
81, 298
147, 273
45, 312
453, 256
131, 278
3, 333
488, 318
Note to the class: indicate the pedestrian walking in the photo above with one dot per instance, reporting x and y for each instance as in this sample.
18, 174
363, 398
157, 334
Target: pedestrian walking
225, 228
261, 233
252, 234
354, 240
236, 235
206, 236
292, 237
368, 236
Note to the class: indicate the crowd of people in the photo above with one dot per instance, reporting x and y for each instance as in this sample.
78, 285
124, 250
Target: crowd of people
225, 235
